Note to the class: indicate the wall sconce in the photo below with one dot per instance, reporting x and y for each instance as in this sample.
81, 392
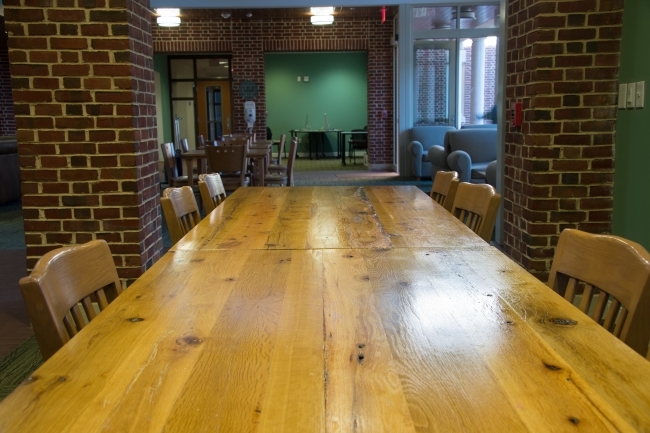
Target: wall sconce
168, 17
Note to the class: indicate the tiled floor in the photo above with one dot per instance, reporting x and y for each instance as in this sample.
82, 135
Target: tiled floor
14, 324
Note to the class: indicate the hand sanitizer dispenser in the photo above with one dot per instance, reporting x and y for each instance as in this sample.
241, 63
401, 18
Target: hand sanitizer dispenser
249, 113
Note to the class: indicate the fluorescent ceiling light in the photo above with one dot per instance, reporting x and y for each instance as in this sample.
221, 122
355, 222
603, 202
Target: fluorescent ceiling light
321, 20
329, 10
168, 12
168, 21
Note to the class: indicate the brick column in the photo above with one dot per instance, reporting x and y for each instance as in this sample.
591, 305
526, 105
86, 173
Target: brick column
82, 76
562, 64
380, 95
7, 119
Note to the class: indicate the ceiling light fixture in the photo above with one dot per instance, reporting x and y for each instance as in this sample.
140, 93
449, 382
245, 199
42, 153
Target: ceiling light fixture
321, 20
168, 17
225, 15
329, 10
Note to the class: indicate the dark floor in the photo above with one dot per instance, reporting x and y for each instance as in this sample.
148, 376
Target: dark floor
14, 324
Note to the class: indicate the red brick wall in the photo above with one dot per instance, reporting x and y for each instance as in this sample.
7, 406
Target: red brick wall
247, 40
7, 120
82, 76
562, 64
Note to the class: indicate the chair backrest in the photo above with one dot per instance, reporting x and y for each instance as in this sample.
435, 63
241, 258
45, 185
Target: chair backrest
611, 267
180, 210
443, 190
359, 139
283, 138
212, 191
293, 150
185, 147
60, 292
227, 160
477, 206
201, 142
169, 162
480, 144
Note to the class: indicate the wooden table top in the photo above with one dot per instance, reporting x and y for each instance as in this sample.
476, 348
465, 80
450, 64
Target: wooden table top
323, 320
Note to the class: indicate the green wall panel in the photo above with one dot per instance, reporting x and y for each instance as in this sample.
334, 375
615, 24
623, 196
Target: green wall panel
632, 176
160, 66
338, 86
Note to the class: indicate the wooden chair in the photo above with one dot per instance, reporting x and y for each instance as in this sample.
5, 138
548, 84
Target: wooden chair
278, 167
284, 179
230, 163
64, 290
169, 162
180, 210
212, 191
357, 141
443, 190
477, 206
613, 275
185, 146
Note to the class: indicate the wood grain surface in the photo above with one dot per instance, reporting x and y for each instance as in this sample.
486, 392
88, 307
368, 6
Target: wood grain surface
368, 332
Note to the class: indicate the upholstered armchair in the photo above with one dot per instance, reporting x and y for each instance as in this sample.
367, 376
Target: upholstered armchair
467, 152
422, 139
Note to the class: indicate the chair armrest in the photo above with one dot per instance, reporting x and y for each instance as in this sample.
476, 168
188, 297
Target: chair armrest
461, 163
415, 149
438, 156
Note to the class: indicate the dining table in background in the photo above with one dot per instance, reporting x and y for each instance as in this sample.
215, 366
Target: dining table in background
258, 152
327, 309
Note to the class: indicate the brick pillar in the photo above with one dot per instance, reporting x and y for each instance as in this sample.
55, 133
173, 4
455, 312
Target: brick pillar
248, 65
7, 119
380, 94
82, 76
562, 64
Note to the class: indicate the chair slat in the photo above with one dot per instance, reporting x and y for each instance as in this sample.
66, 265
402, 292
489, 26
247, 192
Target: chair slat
103, 301
78, 317
612, 313
88, 307
599, 309
570, 293
620, 323
587, 295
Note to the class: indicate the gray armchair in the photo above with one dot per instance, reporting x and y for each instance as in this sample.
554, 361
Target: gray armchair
466, 151
422, 139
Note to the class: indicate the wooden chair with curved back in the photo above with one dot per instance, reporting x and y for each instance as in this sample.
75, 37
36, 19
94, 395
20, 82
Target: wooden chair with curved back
477, 206
180, 210
443, 190
230, 162
278, 167
169, 162
613, 276
185, 146
61, 291
212, 191
284, 179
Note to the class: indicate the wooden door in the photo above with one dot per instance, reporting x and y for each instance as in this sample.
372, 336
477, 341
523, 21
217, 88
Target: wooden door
213, 108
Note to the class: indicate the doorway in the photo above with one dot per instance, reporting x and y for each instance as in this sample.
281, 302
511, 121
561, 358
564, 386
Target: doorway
213, 108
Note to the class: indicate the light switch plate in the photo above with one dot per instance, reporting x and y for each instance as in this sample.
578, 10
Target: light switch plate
631, 95
622, 96
640, 94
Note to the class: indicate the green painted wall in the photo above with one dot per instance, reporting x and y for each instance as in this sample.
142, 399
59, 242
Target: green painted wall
338, 86
160, 66
632, 175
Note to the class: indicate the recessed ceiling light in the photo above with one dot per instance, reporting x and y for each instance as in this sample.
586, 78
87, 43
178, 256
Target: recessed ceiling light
225, 15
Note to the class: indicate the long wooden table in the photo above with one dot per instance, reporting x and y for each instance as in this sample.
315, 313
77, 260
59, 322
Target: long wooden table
336, 309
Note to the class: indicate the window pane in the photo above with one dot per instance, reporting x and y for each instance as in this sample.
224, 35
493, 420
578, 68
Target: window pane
430, 18
479, 17
212, 68
433, 81
182, 69
478, 72
182, 89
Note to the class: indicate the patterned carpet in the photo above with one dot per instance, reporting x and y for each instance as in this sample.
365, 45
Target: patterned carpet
18, 365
